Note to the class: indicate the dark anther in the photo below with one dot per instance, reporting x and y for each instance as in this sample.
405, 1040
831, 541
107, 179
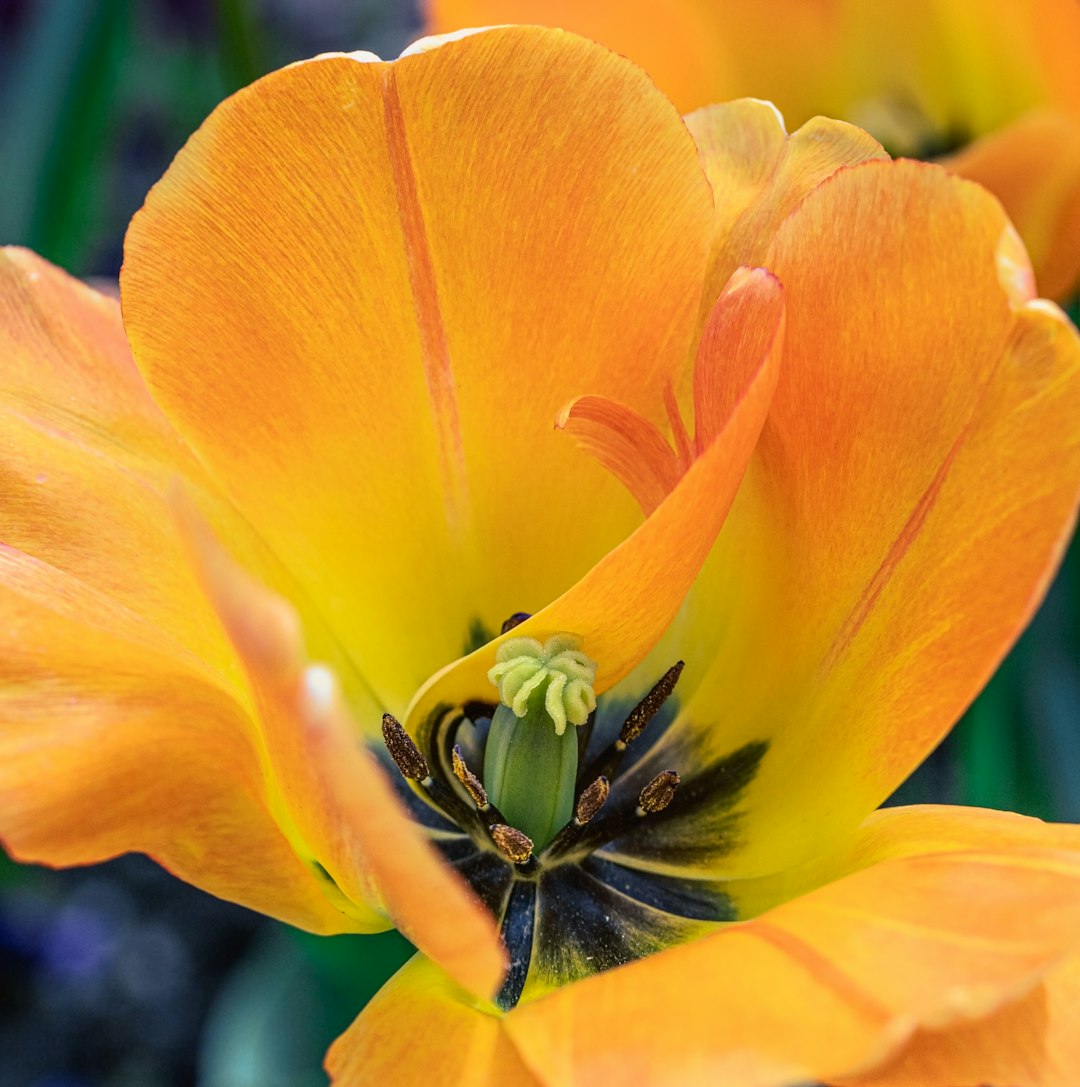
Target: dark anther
659, 793
515, 620
512, 844
403, 751
467, 778
591, 800
607, 762
648, 707
414, 766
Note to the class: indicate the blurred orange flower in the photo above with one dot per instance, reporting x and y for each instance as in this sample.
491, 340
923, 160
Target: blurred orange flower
830, 463
991, 85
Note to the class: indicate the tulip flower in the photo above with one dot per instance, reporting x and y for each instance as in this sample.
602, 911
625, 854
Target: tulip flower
993, 86
513, 513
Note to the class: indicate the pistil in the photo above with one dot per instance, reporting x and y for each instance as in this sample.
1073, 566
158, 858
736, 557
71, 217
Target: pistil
531, 759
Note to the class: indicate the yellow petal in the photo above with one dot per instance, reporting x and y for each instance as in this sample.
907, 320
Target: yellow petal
895, 833
351, 294
419, 1029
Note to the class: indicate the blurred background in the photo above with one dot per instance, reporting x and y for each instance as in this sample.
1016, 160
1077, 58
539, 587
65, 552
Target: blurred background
120, 976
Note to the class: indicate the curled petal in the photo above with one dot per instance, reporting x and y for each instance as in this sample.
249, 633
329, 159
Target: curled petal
622, 606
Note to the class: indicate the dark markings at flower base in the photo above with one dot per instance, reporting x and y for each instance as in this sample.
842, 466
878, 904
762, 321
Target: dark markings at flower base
600, 902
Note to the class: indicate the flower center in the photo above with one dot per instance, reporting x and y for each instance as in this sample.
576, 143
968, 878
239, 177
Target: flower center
574, 838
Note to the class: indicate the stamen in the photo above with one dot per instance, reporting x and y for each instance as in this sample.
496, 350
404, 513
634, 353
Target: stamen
515, 620
412, 764
403, 751
467, 778
591, 801
512, 844
659, 793
607, 762
486, 812
649, 706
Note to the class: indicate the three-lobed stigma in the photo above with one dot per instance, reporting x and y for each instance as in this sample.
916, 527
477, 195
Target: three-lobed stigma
557, 671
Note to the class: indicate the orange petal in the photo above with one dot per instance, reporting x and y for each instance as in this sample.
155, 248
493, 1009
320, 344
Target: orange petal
88, 456
1031, 1041
822, 986
356, 294
1033, 167
114, 742
910, 496
337, 802
420, 1028
129, 724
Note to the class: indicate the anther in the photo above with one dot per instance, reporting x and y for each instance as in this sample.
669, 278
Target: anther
468, 779
515, 620
403, 751
511, 843
649, 706
659, 793
591, 801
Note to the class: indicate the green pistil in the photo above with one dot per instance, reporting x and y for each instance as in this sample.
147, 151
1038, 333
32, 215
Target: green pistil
530, 764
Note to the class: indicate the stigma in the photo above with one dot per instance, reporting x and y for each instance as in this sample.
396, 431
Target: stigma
556, 671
